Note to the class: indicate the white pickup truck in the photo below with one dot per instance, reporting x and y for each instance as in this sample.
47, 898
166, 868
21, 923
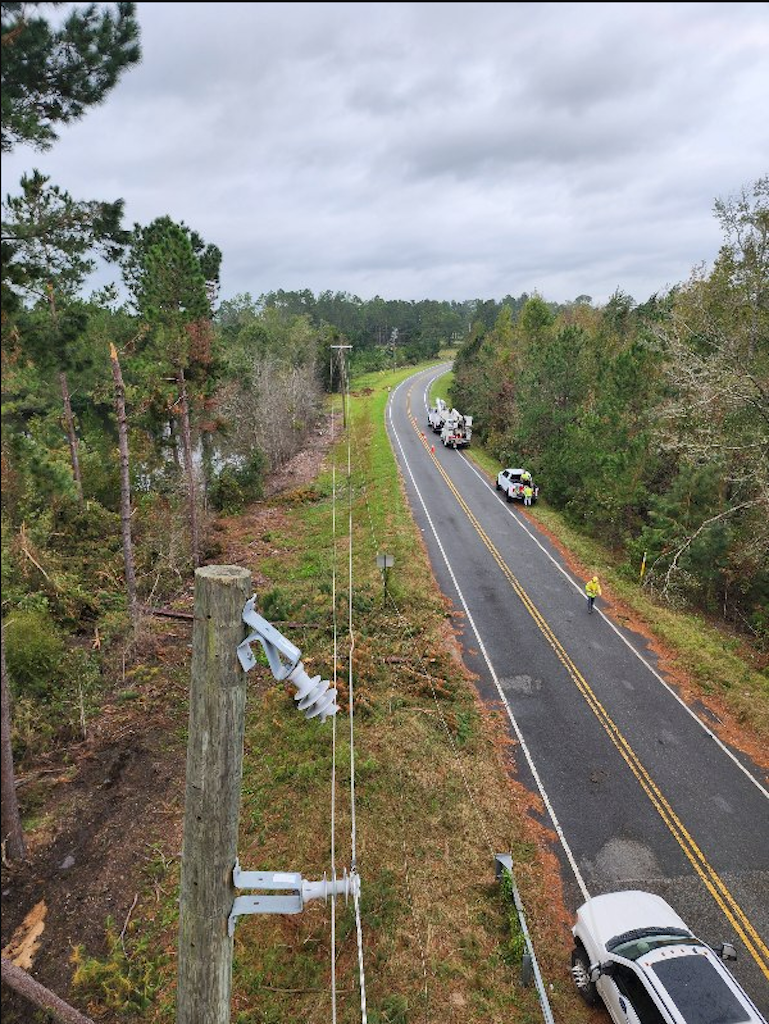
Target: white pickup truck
633, 951
511, 482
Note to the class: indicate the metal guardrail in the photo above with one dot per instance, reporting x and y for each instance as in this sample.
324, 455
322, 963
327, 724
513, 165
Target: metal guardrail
503, 864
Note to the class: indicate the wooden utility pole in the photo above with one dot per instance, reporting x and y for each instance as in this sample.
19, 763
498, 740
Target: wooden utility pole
212, 797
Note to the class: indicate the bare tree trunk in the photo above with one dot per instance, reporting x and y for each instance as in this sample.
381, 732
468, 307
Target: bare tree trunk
13, 834
18, 979
125, 484
207, 463
69, 422
174, 441
190, 469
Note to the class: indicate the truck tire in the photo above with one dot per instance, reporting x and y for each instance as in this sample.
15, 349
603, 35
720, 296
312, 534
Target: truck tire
580, 972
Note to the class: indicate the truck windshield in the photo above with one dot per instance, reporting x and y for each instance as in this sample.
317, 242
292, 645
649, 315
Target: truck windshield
633, 944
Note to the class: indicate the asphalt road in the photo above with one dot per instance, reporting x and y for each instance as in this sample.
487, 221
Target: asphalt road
640, 792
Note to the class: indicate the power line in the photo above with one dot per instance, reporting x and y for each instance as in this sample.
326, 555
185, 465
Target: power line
333, 730
345, 395
351, 700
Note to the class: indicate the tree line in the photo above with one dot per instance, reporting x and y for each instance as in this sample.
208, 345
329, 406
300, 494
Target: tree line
648, 425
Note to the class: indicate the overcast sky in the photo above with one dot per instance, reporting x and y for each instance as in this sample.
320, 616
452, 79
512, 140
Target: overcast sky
431, 150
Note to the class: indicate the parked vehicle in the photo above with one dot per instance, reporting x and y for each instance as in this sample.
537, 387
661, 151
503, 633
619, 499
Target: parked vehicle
511, 482
457, 430
436, 416
633, 951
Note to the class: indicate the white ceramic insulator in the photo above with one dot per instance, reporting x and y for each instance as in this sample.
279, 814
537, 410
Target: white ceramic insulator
315, 696
347, 886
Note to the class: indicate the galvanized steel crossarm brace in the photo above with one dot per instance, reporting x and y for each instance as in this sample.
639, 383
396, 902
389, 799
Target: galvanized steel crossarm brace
294, 891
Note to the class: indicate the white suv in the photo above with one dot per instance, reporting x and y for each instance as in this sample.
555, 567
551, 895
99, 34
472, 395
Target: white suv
635, 952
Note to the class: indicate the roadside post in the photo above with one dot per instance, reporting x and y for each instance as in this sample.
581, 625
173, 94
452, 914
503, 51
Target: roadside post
385, 563
503, 869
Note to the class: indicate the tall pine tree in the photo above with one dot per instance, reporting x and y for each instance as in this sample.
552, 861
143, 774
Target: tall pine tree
50, 76
172, 292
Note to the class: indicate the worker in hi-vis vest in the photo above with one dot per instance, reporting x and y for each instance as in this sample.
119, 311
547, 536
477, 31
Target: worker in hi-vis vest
593, 590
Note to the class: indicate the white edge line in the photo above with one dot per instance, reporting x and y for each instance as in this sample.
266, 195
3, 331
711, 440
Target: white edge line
502, 697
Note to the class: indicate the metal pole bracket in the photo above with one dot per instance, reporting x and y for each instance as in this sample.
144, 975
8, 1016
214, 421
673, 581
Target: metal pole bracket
292, 892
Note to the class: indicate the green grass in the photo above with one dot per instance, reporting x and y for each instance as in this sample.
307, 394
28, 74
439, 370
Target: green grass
440, 387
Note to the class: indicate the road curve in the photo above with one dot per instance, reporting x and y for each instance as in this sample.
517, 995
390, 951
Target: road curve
638, 789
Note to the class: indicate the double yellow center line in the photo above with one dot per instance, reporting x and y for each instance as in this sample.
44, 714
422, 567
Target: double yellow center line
713, 882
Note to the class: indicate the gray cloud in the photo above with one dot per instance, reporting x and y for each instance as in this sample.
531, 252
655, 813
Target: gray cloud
434, 150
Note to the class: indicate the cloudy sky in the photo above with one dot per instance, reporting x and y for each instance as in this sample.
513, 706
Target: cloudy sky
431, 150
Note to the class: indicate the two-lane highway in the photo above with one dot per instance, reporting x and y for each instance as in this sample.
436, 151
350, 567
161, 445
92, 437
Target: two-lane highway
640, 792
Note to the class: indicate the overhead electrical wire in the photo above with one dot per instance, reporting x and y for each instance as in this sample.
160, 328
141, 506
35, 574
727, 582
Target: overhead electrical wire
345, 392
333, 720
351, 701
419, 659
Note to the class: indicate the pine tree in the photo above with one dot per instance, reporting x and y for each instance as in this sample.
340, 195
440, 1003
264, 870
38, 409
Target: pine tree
173, 295
49, 242
50, 76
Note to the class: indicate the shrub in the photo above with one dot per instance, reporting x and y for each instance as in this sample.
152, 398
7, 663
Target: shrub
34, 652
237, 486
122, 981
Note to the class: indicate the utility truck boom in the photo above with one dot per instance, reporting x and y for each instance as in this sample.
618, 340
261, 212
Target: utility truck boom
457, 430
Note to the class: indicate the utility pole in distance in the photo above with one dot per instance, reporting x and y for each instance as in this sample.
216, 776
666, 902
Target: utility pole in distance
340, 349
212, 795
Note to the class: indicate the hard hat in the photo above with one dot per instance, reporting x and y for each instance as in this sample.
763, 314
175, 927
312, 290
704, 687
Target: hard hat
595, 579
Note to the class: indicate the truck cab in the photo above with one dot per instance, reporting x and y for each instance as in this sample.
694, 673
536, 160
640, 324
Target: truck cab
636, 955
436, 416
